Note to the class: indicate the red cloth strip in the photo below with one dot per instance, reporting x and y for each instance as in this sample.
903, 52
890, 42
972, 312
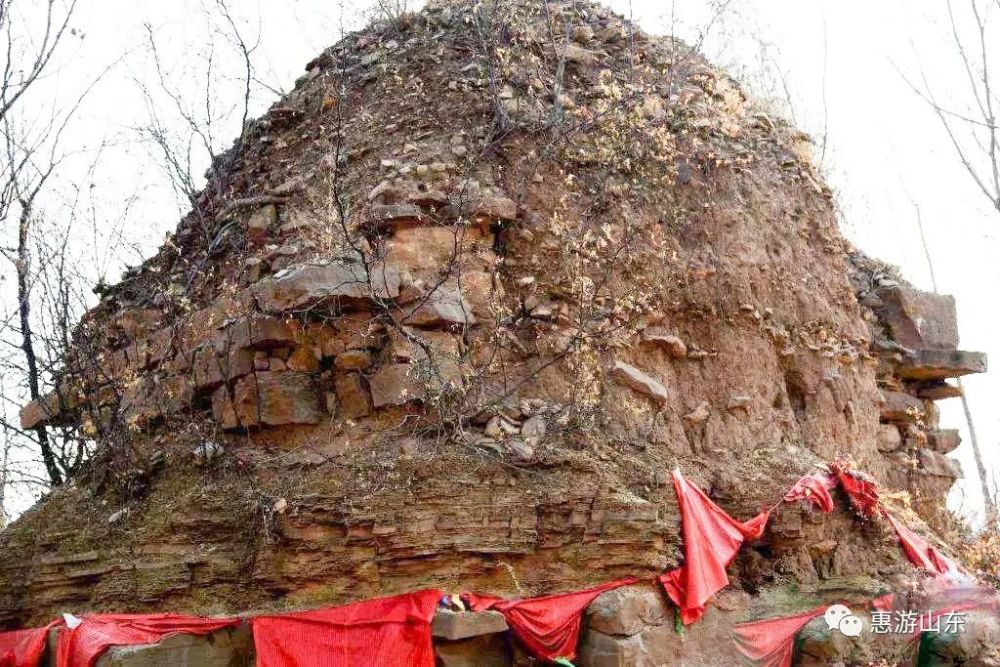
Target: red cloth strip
711, 540
24, 648
919, 552
384, 632
549, 626
770, 643
861, 489
815, 489
84, 644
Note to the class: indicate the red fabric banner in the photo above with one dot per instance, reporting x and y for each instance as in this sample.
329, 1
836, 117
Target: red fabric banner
919, 552
815, 489
770, 643
861, 490
548, 626
24, 648
84, 644
711, 540
384, 632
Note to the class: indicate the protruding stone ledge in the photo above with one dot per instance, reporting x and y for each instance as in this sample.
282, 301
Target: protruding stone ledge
937, 390
943, 441
319, 285
931, 364
919, 319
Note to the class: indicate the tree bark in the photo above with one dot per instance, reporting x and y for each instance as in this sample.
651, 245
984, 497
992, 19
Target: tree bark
27, 338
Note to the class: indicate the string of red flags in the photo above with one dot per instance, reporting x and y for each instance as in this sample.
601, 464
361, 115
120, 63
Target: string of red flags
384, 632
397, 630
548, 626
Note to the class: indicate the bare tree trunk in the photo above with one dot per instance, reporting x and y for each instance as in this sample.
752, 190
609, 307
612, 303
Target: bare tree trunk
27, 338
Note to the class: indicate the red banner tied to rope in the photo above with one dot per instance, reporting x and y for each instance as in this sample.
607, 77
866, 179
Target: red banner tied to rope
384, 632
24, 648
83, 645
770, 643
548, 626
815, 489
711, 540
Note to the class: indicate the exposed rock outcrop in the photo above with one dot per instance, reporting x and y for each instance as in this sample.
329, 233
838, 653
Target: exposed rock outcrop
502, 283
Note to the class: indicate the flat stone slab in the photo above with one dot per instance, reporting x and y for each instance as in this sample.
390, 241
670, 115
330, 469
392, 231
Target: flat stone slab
937, 390
455, 625
928, 364
919, 319
311, 285
638, 381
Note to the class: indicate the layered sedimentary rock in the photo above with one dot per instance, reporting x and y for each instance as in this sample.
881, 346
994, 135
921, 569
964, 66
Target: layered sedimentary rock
451, 312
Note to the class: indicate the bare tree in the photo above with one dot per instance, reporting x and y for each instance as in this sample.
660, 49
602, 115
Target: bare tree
971, 127
970, 124
31, 152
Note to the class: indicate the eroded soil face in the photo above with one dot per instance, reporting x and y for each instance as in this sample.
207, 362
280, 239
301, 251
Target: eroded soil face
449, 315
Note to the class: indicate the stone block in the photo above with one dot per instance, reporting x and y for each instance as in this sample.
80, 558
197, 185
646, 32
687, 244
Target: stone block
638, 381
900, 407
433, 248
930, 364
935, 464
353, 400
943, 441
395, 384
231, 647
483, 651
917, 319
445, 307
261, 223
889, 438
652, 647
627, 611
936, 390
337, 285
209, 369
273, 399
495, 208
223, 410
455, 625
257, 332
393, 215
46, 409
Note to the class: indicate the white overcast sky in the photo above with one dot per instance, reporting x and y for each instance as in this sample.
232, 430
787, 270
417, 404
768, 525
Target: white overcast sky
841, 60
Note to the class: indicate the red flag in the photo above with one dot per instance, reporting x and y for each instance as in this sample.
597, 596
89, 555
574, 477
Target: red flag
24, 648
859, 487
549, 626
84, 644
919, 552
384, 632
711, 540
770, 642
814, 488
